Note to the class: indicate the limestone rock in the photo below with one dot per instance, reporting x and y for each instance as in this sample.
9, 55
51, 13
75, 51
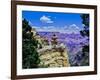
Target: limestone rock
54, 58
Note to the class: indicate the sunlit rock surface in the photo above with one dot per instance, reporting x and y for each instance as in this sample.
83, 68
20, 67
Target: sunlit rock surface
53, 57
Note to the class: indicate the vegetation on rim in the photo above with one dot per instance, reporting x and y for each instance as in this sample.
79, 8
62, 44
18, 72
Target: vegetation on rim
30, 57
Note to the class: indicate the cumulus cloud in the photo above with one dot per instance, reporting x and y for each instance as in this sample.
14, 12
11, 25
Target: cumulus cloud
73, 29
74, 26
66, 29
46, 19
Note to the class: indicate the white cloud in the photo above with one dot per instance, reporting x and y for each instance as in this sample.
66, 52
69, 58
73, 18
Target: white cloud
73, 29
74, 26
46, 19
46, 28
66, 29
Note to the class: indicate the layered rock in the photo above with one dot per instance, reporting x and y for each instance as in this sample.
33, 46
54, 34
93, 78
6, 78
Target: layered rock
53, 57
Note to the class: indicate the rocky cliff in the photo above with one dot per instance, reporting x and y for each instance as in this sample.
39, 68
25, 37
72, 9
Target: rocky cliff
53, 57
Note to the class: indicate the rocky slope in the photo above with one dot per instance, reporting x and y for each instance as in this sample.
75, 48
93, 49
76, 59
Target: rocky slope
53, 57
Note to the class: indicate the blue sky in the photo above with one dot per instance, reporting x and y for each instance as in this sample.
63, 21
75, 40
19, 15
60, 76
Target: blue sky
52, 21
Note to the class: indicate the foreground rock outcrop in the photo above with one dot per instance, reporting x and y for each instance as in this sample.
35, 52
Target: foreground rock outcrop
53, 57
51, 53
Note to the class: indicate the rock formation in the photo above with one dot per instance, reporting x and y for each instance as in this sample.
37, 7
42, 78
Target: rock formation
53, 54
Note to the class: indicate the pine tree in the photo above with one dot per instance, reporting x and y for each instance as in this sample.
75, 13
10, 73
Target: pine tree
30, 58
85, 33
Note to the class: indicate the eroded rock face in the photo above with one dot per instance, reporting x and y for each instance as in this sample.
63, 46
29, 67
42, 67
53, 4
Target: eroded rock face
54, 57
